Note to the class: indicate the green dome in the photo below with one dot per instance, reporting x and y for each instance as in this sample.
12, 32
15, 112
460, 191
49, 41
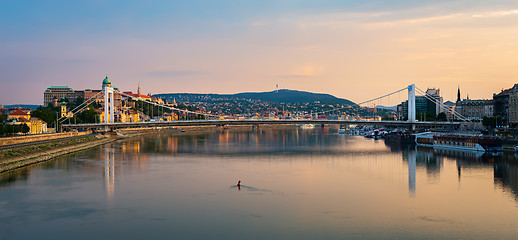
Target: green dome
107, 81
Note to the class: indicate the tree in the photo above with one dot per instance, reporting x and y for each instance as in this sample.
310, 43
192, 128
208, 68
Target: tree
24, 128
79, 100
492, 122
47, 114
387, 118
441, 117
7, 129
89, 115
425, 116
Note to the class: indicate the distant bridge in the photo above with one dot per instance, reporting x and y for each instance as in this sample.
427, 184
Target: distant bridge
119, 125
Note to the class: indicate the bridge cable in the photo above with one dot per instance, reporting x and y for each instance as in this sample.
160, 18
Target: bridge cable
165, 106
374, 99
87, 102
435, 101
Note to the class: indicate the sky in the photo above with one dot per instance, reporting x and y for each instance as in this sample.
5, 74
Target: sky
356, 50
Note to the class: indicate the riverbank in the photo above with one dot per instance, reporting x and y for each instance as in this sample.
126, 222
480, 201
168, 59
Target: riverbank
17, 157
21, 156
39, 137
14, 158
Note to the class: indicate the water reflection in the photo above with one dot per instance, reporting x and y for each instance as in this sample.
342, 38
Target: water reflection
9, 178
109, 171
506, 176
412, 160
300, 184
262, 141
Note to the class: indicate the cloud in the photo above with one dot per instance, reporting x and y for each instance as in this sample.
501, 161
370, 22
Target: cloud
495, 14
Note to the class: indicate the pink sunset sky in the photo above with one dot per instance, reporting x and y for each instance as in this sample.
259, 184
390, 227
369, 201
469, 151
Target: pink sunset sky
356, 50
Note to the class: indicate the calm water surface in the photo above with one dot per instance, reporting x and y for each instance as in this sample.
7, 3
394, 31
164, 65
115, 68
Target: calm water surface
297, 184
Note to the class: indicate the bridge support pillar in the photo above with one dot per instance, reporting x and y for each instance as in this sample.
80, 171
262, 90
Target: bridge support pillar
411, 103
108, 106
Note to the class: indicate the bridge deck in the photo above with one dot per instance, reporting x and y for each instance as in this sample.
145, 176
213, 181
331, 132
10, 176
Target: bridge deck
256, 122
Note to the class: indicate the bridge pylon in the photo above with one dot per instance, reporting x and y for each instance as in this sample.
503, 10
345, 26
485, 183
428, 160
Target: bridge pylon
411, 103
109, 113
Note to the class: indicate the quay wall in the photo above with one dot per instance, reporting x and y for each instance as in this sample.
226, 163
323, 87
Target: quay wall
30, 159
39, 137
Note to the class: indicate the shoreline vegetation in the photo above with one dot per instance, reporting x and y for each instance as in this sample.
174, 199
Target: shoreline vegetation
21, 156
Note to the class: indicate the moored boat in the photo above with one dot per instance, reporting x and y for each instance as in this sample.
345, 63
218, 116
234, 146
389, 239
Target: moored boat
459, 142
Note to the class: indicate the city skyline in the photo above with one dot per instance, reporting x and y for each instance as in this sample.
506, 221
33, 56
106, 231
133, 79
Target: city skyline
334, 47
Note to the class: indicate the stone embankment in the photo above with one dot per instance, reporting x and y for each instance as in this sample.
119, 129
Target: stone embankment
19, 157
39, 137
65, 143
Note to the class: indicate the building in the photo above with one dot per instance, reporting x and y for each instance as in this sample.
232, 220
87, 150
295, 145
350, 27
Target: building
123, 116
36, 125
513, 106
89, 93
449, 109
138, 96
475, 109
55, 94
501, 105
437, 105
432, 104
18, 114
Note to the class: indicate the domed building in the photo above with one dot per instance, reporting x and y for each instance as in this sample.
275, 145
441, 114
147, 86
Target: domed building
106, 82
54, 94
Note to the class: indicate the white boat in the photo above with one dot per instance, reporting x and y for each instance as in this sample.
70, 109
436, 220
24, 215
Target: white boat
459, 142
424, 139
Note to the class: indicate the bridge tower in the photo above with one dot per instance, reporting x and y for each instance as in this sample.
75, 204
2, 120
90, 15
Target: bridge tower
411, 103
108, 105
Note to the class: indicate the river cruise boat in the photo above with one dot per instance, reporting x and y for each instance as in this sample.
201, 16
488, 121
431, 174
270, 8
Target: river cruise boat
459, 142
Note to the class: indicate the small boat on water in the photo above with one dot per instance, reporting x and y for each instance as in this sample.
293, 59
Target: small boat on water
459, 142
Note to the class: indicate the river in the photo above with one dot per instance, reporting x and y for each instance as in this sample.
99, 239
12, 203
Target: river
296, 184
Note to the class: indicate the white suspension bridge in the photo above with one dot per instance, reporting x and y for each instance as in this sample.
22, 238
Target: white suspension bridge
213, 119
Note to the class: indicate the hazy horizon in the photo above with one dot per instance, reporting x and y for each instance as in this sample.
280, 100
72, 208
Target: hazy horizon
349, 49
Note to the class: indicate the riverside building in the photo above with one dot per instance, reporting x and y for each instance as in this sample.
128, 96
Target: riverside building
56, 94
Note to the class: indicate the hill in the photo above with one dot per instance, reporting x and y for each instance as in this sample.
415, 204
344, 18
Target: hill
393, 108
22, 106
280, 96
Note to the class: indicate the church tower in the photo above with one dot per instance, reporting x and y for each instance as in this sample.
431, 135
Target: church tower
458, 94
138, 89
